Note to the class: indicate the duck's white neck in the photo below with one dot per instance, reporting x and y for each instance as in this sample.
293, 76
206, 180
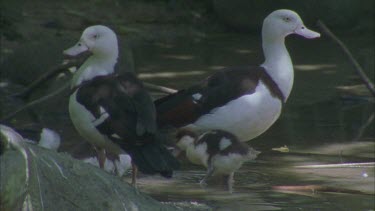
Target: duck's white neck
95, 65
278, 64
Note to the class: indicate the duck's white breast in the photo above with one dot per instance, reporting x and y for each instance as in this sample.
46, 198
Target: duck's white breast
84, 122
246, 117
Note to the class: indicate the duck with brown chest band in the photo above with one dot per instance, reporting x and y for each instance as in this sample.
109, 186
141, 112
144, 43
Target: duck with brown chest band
114, 112
244, 101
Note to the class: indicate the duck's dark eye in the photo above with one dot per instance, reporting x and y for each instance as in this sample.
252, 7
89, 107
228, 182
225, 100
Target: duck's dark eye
286, 19
95, 36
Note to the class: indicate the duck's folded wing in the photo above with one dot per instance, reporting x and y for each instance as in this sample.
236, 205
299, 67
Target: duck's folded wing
125, 113
146, 113
187, 105
122, 109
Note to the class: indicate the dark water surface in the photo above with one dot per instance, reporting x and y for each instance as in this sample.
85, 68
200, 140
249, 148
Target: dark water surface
320, 125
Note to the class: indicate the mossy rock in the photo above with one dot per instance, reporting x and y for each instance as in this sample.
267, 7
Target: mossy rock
34, 178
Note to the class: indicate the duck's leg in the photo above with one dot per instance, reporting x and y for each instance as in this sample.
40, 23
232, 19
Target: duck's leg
210, 171
134, 174
230, 182
101, 155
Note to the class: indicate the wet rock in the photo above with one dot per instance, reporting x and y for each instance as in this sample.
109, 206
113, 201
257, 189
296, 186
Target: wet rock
41, 179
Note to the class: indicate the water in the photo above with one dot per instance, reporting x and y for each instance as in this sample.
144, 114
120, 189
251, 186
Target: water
319, 125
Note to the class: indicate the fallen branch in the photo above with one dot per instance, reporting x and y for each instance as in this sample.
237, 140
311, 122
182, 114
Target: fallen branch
63, 88
362, 129
74, 62
160, 88
35, 102
354, 62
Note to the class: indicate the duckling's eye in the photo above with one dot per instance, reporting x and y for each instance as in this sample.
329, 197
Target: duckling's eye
96, 36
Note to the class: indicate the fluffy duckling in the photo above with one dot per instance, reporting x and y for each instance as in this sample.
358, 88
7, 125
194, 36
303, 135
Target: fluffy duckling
219, 151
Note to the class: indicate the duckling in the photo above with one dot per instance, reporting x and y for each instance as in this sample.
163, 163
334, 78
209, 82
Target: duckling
219, 151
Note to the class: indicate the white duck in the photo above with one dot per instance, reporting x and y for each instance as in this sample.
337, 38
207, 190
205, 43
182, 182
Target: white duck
114, 112
102, 42
244, 101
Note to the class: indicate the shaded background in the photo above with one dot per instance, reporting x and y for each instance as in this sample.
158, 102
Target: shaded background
33, 33
177, 43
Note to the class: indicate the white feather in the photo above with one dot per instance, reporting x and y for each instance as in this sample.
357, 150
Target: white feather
49, 139
109, 166
115, 136
123, 164
91, 160
197, 96
103, 116
224, 143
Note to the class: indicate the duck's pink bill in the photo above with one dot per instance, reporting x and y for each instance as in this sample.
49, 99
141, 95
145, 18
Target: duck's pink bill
307, 33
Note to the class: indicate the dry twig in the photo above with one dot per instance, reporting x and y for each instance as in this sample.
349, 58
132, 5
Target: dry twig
356, 65
74, 62
35, 102
160, 88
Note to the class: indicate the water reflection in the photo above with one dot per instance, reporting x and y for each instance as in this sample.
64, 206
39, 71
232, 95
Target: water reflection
253, 187
165, 75
178, 57
313, 67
